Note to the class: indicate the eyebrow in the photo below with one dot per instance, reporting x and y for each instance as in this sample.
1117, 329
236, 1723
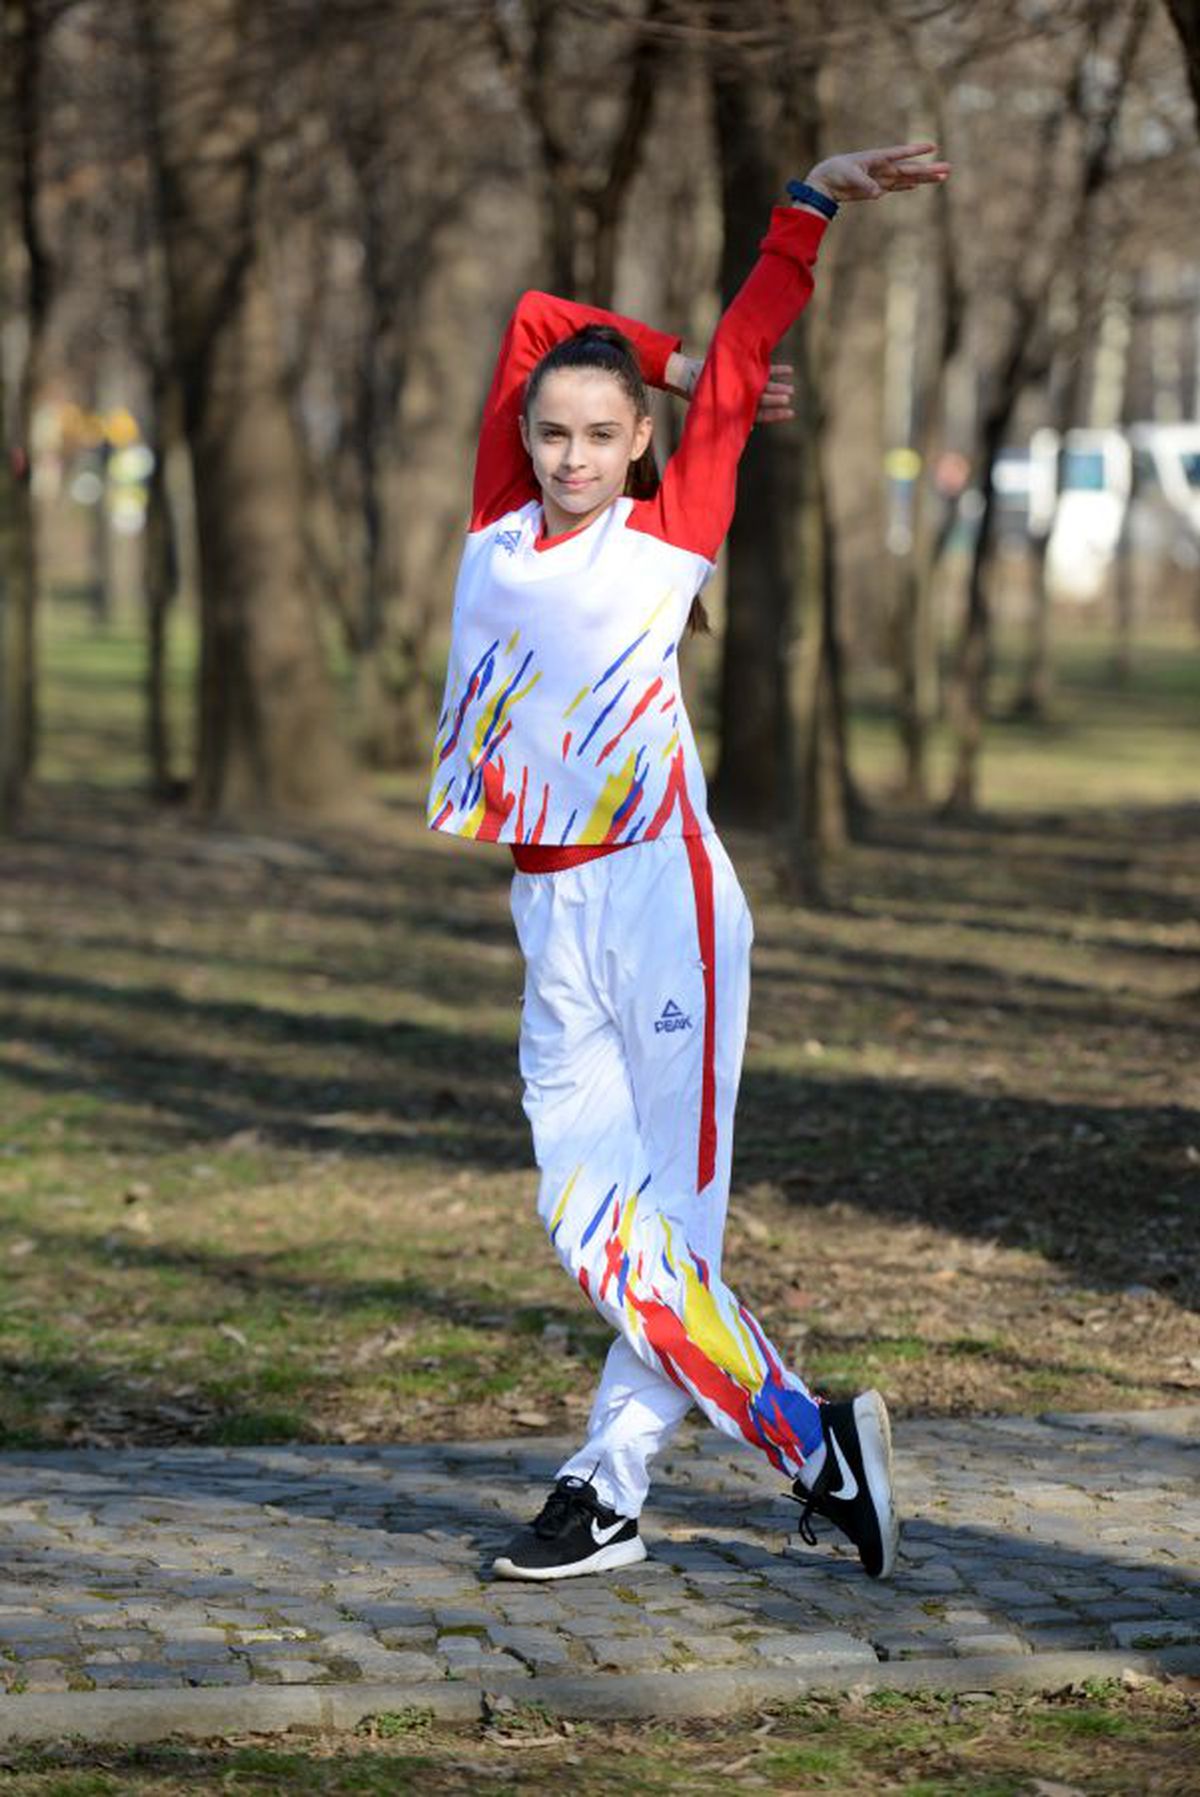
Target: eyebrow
593, 424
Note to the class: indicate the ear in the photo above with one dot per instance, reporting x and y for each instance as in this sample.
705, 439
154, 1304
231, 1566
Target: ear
524, 430
643, 430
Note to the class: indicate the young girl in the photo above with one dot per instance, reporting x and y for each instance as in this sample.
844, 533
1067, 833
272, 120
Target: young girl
563, 734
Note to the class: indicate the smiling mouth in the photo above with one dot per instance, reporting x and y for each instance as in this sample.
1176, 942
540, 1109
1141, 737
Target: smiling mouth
574, 486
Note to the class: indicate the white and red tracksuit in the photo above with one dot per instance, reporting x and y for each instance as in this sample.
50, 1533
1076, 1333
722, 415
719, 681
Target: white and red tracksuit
563, 733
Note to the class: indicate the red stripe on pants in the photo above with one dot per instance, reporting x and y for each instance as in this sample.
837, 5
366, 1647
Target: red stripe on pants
702, 887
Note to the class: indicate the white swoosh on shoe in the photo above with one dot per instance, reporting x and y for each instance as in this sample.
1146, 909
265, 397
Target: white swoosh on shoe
849, 1488
603, 1536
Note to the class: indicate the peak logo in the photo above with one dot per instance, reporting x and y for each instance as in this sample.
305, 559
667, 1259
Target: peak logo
672, 1019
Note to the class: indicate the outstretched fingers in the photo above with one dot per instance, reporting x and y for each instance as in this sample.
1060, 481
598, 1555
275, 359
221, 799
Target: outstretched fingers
869, 174
895, 168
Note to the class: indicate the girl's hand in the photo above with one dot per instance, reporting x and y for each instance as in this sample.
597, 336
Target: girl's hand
869, 174
778, 398
775, 406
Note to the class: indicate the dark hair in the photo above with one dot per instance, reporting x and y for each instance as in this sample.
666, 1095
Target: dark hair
608, 350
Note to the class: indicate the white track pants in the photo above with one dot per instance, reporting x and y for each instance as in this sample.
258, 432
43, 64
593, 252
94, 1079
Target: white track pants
636, 996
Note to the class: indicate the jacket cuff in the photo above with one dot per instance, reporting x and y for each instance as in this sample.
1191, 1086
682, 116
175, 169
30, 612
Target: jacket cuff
795, 233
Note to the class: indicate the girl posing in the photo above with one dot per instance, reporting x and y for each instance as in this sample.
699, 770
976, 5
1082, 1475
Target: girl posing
564, 735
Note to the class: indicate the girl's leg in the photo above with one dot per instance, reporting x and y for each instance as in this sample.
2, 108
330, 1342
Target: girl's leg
631, 1048
638, 1408
636, 1411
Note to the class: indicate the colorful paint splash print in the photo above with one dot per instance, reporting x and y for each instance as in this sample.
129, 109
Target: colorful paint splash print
607, 763
644, 1279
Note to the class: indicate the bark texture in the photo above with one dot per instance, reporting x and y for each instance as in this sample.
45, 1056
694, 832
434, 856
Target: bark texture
267, 743
753, 685
1185, 15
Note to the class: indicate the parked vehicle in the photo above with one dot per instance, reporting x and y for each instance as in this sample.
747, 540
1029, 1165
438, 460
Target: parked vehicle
1095, 476
1164, 507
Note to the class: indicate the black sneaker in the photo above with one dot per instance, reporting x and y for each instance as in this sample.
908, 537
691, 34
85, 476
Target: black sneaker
854, 1487
575, 1533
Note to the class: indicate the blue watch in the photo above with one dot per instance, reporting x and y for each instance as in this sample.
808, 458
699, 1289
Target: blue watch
812, 196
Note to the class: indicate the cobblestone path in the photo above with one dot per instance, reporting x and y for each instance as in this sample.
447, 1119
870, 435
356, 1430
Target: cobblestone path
182, 1569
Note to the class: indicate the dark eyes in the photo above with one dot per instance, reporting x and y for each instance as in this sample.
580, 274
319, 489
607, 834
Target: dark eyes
549, 434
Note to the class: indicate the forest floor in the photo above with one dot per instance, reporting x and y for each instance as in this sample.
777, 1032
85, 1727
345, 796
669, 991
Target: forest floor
264, 1173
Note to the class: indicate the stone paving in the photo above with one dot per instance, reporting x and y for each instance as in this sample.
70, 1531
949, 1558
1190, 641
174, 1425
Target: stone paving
189, 1568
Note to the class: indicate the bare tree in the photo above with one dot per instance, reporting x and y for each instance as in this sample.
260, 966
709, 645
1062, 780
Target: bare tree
1053, 227
376, 173
566, 76
267, 740
783, 759
26, 24
12, 572
915, 637
747, 104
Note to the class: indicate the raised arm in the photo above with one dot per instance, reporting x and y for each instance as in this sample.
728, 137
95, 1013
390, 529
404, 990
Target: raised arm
694, 505
503, 475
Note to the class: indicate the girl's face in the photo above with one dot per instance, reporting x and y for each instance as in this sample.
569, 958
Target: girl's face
582, 432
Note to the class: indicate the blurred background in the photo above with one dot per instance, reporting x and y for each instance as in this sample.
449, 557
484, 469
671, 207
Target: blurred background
256, 262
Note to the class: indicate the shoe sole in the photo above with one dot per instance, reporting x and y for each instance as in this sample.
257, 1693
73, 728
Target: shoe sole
605, 1559
875, 1441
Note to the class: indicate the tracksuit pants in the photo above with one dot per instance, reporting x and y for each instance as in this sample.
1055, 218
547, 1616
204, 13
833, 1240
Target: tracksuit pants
633, 1029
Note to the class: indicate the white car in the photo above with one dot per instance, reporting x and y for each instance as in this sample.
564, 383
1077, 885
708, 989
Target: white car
1095, 481
1164, 509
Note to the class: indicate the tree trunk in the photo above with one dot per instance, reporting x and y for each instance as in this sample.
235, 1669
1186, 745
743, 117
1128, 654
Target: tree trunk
817, 792
23, 43
845, 810
100, 586
1121, 665
1186, 17
268, 747
819, 796
1036, 689
10, 781
11, 580
917, 657
753, 682
969, 687
814, 782
160, 580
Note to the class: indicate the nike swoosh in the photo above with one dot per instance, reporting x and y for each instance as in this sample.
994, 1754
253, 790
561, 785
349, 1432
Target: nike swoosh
849, 1490
603, 1536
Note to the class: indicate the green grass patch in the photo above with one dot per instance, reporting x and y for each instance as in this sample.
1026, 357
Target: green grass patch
853, 1747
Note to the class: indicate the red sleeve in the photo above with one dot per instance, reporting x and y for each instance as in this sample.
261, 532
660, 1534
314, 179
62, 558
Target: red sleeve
694, 506
503, 475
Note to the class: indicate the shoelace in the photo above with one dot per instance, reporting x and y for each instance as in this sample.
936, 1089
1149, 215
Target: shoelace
813, 1499
805, 1529
567, 1495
